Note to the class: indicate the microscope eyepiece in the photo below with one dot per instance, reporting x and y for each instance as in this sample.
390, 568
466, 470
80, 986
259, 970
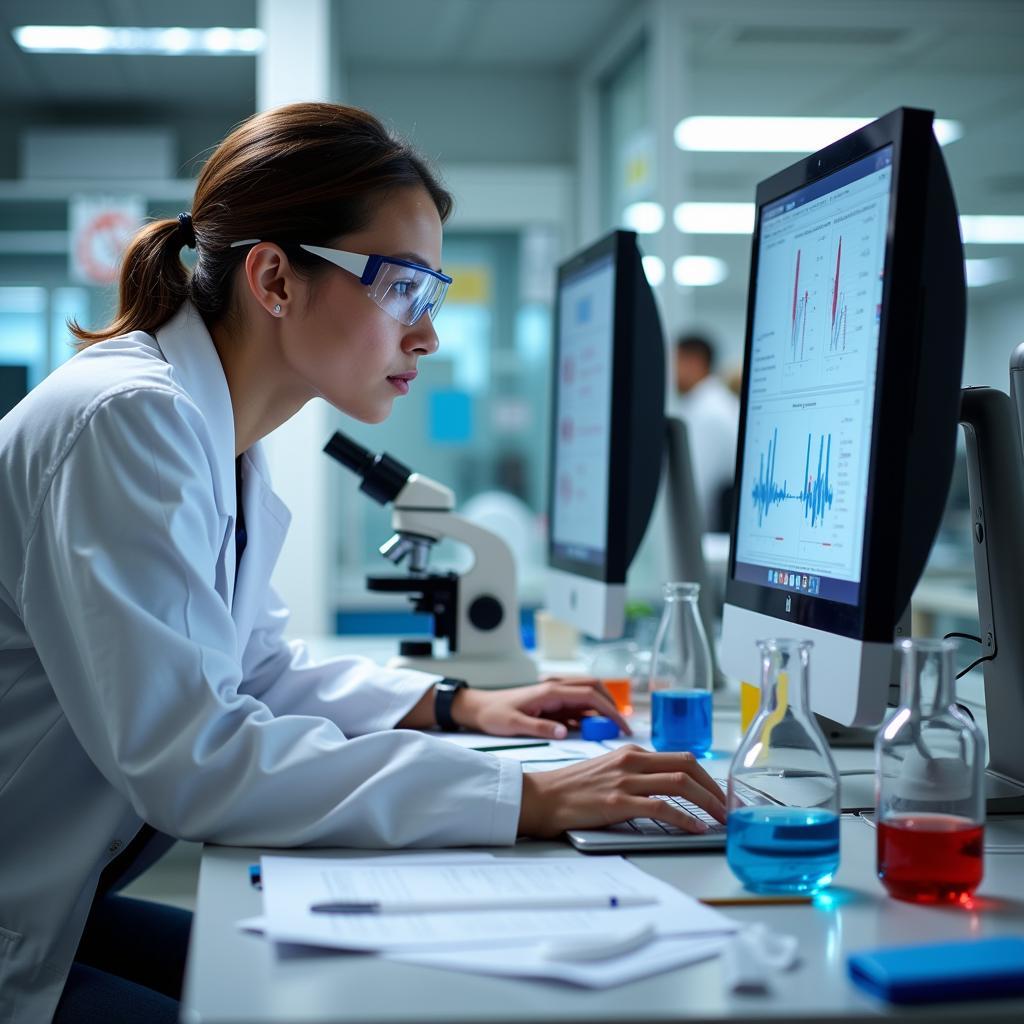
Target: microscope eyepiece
383, 476
349, 453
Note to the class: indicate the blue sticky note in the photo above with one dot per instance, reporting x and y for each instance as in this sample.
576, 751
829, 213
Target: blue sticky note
451, 417
938, 972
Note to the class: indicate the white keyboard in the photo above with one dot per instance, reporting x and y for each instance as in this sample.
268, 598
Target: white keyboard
653, 827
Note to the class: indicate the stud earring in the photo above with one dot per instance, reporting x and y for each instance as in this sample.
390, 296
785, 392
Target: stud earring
277, 309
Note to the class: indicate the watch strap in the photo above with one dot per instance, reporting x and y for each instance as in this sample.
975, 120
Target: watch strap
444, 696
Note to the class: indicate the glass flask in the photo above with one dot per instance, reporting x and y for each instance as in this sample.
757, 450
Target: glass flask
783, 790
930, 762
615, 664
681, 677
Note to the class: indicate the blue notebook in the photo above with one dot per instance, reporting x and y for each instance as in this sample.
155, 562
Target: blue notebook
974, 969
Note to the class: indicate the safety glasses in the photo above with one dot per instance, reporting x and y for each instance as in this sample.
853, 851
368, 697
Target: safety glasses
403, 289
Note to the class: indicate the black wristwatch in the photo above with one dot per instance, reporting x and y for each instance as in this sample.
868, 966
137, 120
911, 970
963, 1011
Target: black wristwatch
444, 694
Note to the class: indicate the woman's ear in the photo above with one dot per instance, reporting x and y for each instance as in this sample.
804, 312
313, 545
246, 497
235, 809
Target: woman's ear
269, 277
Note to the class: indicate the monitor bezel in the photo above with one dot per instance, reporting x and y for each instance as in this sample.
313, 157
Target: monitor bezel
618, 245
909, 132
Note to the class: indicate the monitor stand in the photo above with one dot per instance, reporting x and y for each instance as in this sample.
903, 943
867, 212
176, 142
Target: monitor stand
686, 530
847, 735
995, 479
839, 735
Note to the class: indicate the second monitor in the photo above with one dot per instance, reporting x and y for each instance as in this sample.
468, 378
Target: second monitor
607, 431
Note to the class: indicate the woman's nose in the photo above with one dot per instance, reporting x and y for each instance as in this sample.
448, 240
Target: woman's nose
422, 337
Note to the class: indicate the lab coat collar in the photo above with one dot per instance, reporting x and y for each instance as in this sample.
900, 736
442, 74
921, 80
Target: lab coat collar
186, 344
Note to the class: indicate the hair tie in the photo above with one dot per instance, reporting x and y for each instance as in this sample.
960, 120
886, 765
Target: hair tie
185, 229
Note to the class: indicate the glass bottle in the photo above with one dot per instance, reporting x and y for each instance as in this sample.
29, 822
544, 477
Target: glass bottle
783, 790
615, 664
930, 762
681, 677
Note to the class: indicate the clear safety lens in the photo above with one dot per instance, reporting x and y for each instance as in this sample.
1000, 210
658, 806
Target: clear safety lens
406, 293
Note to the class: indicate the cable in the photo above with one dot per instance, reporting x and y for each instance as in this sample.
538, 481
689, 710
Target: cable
978, 661
975, 664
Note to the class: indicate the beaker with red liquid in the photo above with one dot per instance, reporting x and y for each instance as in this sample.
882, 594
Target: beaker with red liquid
930, 760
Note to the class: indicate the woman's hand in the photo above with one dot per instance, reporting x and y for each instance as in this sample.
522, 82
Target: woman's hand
545, 709
623, 784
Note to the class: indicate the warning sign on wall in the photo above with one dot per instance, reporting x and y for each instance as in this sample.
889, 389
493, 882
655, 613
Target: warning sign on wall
101, 228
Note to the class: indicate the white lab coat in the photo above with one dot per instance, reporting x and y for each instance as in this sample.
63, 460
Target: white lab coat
712, 415
140, 682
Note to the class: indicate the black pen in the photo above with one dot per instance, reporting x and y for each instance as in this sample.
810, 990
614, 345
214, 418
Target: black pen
457, 905
511, 746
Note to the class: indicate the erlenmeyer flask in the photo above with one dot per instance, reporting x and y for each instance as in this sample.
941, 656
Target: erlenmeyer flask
783, 793
930, 760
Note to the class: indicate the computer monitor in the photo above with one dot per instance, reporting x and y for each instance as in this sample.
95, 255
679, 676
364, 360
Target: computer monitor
607, 432
849, 407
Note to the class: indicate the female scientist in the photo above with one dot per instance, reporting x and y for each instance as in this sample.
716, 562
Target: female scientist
146, 693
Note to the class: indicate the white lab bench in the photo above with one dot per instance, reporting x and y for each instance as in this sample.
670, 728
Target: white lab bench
235, 977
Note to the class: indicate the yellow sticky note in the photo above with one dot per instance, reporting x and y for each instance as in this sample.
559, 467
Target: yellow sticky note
750, 701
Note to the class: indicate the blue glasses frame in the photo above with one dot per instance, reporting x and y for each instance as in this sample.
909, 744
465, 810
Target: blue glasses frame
367, 266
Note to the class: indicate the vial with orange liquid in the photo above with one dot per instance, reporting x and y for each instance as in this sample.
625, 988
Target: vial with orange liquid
615, 664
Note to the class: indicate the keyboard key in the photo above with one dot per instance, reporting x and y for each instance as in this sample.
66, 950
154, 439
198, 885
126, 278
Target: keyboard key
624, 827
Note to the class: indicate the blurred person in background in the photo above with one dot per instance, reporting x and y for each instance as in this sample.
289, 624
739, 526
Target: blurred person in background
712, 414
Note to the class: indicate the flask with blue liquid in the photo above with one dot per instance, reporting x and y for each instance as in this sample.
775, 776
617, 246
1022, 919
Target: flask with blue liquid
681, 675
783, 791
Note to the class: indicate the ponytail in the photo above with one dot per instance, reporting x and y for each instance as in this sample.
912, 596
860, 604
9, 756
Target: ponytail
308, 172
154, 283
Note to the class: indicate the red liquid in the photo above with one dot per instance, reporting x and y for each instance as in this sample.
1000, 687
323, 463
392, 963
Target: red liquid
930, 858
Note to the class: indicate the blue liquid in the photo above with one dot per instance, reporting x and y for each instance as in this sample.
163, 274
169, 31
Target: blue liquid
681, 720
783, 849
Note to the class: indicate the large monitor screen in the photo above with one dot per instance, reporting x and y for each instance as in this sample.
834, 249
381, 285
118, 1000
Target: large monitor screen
811, 385
582, 449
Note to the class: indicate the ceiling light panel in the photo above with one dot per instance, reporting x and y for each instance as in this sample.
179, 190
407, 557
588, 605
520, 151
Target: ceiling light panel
714, 218
980, 273
699, 271
645, 218
166, 42
779, 134
992, 230
738, 219
654, 269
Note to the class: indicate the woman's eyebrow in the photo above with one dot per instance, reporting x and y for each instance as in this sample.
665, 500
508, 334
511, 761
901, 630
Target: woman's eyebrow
414, 257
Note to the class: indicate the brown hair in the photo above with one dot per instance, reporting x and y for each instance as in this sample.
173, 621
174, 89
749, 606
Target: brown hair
307, 172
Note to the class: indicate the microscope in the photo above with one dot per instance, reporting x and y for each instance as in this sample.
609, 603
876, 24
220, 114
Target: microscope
477, 611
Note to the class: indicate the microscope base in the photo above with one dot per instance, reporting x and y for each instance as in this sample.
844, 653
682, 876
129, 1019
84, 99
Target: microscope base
485, 672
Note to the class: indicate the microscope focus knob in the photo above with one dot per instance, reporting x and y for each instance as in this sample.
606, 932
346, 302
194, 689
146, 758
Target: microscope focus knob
486, 612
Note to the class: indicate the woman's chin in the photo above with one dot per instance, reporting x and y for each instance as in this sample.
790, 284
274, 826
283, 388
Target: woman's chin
367, 413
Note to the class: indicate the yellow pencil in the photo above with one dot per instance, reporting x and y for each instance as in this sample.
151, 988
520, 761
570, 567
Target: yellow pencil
742, 901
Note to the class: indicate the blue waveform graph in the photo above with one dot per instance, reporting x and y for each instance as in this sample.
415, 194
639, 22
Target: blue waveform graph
817, 493
766, 491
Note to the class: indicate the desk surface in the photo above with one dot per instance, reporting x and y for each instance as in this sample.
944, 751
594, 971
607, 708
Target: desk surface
234, 977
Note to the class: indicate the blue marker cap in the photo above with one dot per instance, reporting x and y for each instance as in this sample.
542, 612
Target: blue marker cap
597, 727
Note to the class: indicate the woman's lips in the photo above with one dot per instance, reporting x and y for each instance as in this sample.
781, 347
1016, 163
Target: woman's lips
401, 382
